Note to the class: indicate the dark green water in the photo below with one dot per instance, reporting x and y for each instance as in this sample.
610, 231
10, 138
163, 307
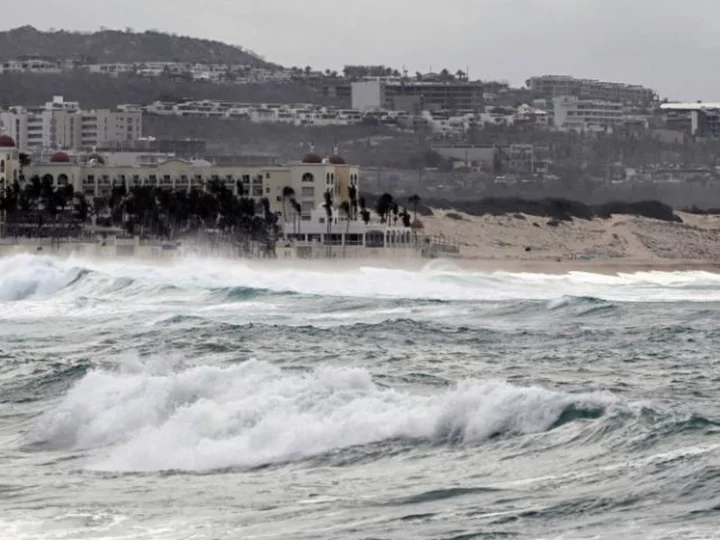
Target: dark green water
210, 400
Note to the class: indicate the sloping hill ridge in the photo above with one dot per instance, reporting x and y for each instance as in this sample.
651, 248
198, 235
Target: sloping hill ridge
107, 46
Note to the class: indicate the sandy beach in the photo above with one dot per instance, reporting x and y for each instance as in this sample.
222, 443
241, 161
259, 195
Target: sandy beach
515, 243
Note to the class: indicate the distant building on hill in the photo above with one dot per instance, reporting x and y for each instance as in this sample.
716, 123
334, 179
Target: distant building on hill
31, 64
63, 125
576, 114
551, 86
416, 96
184, 148
697, 119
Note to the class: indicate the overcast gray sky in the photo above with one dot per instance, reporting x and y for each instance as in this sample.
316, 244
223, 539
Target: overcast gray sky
669, 45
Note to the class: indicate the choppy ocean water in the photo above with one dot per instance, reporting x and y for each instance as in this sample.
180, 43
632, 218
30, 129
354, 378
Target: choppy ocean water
209, 400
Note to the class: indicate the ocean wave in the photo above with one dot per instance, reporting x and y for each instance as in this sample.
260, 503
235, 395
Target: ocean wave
24, 276
146, 418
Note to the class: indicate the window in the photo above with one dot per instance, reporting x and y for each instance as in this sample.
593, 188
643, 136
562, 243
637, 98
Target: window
2, 166
308, 177
308, 191
267, 190
267, 175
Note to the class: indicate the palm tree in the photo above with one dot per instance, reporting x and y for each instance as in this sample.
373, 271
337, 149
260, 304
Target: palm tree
328, 215
24, 161
415, 201
364, 211
287, 193
405, 216
352, 195
297, 218
383, 206
345, 208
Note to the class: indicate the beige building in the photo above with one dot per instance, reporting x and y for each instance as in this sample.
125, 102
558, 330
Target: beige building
309, 179
63, 125
9, 162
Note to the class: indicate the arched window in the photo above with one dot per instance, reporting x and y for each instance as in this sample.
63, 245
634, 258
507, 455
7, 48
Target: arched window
2, 165
308, 177
48, 178
62, 180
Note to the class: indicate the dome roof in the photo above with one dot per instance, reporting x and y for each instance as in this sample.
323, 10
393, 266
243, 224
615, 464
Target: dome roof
59, 157
417, 224
337, 160
6, 142
94, 156
312, 157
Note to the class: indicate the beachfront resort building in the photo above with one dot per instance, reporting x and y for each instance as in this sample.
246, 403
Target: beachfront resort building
64, 125
296, 193
296, 185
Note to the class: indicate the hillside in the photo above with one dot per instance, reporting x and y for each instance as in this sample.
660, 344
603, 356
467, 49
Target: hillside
120, 46
94, 90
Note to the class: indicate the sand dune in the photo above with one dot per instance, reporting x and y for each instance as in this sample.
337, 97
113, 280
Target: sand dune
620, 238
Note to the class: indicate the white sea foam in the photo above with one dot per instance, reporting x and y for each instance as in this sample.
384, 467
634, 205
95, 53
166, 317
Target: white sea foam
28, 276
162, 416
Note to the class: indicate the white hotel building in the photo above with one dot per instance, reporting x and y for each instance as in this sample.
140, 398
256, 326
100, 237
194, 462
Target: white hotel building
576, 114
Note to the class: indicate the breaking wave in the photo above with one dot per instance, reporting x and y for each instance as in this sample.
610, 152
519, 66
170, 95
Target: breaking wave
26, 276
166, 416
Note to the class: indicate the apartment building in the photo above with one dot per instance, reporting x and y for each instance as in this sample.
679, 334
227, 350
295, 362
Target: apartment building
551, 86
573, 113
416, 96
31, 65
61, 124
697, 119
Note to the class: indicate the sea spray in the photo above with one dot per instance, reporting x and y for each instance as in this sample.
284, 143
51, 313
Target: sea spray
25, 275
204, 417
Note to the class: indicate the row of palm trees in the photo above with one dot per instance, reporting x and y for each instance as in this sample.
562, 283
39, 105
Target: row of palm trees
151, 211
31, 209
141, 210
